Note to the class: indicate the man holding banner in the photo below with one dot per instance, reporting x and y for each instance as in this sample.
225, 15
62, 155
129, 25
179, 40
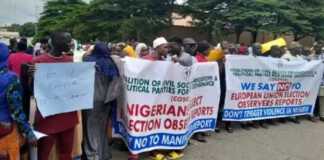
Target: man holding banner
166, 104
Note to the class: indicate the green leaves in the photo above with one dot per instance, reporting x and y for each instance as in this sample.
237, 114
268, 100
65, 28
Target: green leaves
301, 17
108, 20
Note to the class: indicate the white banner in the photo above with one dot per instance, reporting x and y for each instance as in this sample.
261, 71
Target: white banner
64, 87
166, 104
265, 88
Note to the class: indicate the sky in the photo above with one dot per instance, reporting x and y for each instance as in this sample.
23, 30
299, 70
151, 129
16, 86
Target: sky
22, 11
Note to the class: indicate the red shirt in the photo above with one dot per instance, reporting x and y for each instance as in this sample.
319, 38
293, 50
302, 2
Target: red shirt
60, 122
201, 58
17, 59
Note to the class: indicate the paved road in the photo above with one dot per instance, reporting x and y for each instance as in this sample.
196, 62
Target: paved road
283, 142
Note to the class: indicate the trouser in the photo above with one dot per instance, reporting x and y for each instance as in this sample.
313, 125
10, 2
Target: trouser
10, 144
321, 106
95, 139
64, 142
317, 107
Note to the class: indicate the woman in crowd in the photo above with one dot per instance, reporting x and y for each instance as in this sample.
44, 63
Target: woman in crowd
13, 121
142, 50
59, 128
95, 121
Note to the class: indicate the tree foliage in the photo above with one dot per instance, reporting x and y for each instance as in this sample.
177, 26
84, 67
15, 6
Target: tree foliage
113, 20
60, 15
300, 17
25, 30
107, 19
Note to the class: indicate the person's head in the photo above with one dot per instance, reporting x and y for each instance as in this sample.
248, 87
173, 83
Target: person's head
23, 39
306, 51
118, 49
4, 54
276, 52
13, 45
257, 49
100, 50
22, 46
318, 48
190, 45
176, 40
131, 41
60, 43
160, 46
225, 45
232, 49
295, 48
175, 49
142, 50
242, 49
30, 50
203, 48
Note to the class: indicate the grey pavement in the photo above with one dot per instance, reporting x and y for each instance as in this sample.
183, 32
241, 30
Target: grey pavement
287, 141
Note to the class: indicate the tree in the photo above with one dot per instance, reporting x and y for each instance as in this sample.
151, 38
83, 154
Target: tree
301, 17
27, 29
230, 16
113, 20
13, 28
294, 16
60, 15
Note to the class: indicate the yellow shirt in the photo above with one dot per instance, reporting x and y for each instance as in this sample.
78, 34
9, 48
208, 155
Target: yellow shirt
130, 51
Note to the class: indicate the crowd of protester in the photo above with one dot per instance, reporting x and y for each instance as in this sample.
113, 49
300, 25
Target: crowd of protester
17, 62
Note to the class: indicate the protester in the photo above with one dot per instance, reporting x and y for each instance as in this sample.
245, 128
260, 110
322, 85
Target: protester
256, 49
222, 79
179, 56
129, 48
243, 49
12, 45
276, 52
13, 121
142, 50
202, 51
232, 49
160, 46
293, 52
292, 55
319, 107
19, 58
95, 121
59, 128
43, 48
190, 46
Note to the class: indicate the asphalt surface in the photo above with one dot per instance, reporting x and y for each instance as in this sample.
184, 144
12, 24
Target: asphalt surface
287, 141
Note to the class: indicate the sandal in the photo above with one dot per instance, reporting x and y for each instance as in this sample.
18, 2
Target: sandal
175, 155
158, 156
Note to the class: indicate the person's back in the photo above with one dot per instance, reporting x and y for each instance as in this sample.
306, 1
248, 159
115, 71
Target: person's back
13, 121
60, 127
19, 58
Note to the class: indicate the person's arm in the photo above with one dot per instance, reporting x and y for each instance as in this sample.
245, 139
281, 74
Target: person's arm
14, 98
